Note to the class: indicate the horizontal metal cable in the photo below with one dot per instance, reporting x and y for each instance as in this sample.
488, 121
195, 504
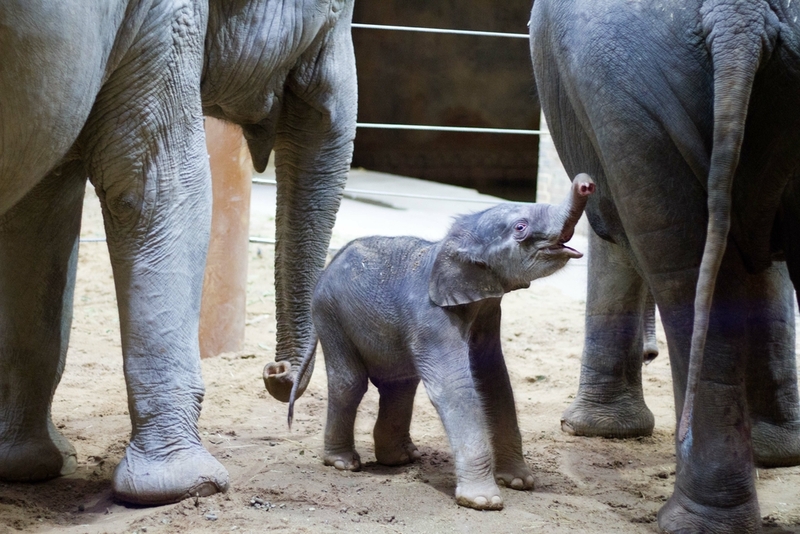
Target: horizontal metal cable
425, 127
252, 239
265, 240
439, 30
268, 241
403, 195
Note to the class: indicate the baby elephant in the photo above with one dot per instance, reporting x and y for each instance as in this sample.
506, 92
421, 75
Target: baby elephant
397, 309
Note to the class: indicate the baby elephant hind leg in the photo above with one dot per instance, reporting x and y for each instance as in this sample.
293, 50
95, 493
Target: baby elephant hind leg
393, 445
347, 383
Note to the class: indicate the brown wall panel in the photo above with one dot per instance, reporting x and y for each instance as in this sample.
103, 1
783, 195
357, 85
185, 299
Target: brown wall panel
449, 80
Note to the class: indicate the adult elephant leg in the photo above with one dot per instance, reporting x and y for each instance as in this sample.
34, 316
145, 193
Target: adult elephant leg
313, 151
714, 489
772, 393
157, 226
38, 260
147, 159
715, 484
610, 401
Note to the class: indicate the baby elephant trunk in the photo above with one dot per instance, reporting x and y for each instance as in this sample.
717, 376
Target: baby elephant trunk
572, 207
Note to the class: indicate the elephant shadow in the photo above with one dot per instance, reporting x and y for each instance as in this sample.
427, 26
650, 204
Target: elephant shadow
435, 468
83, 497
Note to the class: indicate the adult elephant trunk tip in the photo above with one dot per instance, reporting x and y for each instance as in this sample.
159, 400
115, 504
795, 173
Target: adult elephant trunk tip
287, 380
279, 379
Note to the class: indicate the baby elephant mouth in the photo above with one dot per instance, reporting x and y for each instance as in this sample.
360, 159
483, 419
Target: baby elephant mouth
560, 249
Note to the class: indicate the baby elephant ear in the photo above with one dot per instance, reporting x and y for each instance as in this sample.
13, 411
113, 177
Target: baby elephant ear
458, 279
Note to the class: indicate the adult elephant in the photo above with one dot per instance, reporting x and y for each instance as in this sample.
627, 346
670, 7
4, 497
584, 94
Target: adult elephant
687, 114
112, 91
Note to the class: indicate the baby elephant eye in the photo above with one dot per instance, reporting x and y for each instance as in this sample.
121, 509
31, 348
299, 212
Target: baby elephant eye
520, 226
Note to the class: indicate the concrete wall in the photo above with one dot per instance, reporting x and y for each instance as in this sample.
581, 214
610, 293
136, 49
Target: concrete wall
553, 184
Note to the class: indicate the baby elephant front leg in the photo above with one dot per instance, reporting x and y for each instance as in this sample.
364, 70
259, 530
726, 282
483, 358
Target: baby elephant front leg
452, 391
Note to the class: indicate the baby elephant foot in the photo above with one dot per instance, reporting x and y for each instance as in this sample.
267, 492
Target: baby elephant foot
400, 453
344, 461
481, 496
188, 471
516, 476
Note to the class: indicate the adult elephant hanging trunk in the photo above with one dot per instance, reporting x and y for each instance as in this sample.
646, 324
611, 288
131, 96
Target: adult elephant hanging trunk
285, 71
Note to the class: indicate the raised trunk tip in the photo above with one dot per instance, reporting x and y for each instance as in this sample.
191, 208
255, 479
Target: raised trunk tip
572, 207
583, 185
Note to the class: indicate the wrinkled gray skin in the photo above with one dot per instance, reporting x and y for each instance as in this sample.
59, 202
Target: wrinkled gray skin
112, 91
397, 309
619, 338
652, 100
619, 312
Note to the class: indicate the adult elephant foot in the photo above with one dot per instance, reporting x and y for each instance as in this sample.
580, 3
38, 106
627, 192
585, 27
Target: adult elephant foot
33, 459
776, 445
681, 515
188, 470
69, 457
625, 416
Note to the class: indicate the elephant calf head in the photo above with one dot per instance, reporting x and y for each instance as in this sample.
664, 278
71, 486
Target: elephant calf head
490, 253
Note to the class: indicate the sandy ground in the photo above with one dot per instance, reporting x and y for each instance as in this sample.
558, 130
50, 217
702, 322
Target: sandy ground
278, 482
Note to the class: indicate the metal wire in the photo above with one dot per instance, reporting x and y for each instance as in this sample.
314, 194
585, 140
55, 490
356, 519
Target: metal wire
268, 241
265, 240
438, 30
403, 195
424, 127
252, 239
444, 128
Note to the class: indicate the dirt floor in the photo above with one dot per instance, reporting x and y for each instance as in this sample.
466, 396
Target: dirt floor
278, 482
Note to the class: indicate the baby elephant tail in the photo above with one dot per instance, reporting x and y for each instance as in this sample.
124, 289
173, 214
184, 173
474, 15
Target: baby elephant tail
306, 366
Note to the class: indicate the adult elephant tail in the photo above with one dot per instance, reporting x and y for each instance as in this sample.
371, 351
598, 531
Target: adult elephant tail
739, 37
